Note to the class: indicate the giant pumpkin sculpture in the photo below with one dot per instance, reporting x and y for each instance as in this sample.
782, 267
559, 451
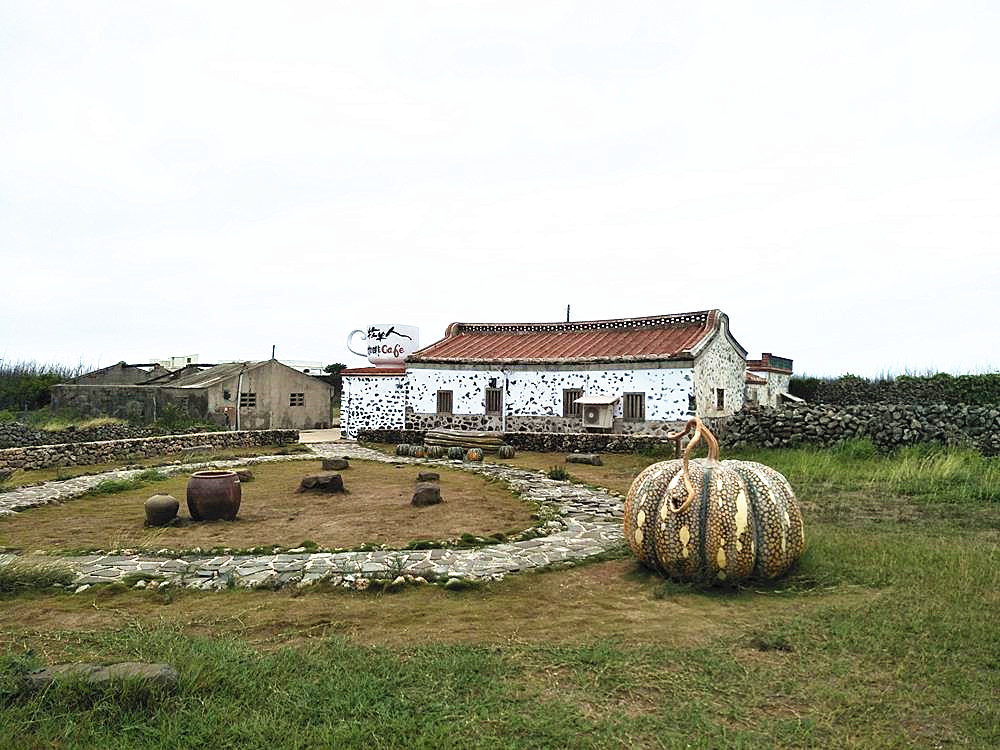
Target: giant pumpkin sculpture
713, 521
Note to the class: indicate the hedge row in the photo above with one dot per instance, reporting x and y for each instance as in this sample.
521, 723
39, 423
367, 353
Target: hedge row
974, 390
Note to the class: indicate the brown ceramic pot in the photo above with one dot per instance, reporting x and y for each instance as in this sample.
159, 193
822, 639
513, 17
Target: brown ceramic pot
212, 495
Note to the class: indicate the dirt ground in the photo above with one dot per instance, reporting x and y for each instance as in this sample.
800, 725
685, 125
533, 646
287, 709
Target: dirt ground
375, 509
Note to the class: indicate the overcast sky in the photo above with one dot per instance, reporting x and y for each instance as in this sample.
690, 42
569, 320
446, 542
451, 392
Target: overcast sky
217, 178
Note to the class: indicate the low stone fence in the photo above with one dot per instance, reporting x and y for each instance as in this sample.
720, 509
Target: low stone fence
112, 451
584, 442
18, 435
887, 426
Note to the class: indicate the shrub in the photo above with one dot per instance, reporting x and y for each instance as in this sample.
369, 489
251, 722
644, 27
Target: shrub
558, 472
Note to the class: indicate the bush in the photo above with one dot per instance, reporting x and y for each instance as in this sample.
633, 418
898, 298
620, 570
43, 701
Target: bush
558, 472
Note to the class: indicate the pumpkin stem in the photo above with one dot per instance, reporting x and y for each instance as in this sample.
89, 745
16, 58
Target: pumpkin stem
700, 429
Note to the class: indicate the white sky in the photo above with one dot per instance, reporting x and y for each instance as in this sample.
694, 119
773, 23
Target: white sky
215, 178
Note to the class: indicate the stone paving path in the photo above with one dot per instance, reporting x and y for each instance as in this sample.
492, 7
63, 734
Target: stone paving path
586, 522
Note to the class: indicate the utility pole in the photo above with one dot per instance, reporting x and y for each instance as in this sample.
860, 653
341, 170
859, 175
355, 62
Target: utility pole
272, 350
567, 313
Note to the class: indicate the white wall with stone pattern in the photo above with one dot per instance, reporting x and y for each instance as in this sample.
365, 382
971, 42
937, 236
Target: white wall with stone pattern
719, 365
535, 392
372, 403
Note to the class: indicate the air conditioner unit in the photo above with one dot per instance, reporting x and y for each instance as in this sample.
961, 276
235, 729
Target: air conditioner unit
597, 415
597, 411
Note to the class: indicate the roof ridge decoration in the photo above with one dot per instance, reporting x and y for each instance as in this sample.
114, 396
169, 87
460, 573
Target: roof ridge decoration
700, 318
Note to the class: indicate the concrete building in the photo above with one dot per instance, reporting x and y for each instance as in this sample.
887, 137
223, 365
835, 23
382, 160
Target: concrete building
628, 375
238, 395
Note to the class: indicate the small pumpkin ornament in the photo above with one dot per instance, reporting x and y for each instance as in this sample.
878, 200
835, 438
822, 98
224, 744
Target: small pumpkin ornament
707, 520
434, 451
416, 451
474, 454
505, 451
456, 452
403, 449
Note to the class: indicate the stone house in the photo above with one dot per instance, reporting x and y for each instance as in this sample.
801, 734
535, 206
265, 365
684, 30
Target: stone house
628, 375
238, 395
767, 380
121, 373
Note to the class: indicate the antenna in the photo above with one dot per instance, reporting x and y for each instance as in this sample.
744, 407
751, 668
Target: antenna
272, 350
567, 313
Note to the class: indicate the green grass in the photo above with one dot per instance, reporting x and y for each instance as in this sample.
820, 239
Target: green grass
19, 576
884, 635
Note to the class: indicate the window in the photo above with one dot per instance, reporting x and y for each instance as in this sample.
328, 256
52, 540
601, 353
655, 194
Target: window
570, 395
720, 398
248, 400
634, 407
444, 402
692, 404
494, 400
296, 399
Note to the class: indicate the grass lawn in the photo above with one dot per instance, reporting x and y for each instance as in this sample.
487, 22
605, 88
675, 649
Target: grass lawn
376, 509
885, 635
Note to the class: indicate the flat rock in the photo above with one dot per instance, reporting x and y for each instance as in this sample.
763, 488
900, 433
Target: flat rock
244, 475
155, 676
426, 493
428, 476
326, 481
584, 458
335, 464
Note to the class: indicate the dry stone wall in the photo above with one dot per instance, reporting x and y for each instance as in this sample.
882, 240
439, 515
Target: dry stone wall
111, 451
888, 426
17, 435
583, 442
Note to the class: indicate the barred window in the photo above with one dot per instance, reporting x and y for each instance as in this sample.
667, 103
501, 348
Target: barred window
248, 400
634, 407
494, 400
296, 399
444, 402
720, 398
571, 409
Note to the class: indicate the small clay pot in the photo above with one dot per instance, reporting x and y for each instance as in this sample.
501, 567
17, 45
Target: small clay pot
161, 510
213, 495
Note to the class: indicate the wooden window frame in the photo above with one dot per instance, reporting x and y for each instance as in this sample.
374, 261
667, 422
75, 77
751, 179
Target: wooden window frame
569, 408
629, 403
296, 399
248, 400
446, 396
497, 396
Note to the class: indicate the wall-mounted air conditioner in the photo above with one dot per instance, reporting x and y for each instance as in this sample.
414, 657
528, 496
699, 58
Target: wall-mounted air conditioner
597, 411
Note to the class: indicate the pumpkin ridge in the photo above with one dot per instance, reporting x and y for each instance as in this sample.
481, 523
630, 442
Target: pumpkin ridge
758, 530
703, 501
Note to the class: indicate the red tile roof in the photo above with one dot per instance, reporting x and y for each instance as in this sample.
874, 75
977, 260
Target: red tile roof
377, 371
752, 379
625, 339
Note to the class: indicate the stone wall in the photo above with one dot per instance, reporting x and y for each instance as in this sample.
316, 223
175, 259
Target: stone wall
136, 403
887, 426
17, 435
116, 451
520, 423
584, 442
942, 388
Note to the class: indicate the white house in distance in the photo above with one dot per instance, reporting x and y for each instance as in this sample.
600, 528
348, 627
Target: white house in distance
767, 380
629, 375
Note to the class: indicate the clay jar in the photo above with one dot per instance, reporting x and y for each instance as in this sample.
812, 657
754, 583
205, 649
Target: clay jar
213, 495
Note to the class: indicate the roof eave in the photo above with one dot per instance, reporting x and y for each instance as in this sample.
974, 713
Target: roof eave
678, 357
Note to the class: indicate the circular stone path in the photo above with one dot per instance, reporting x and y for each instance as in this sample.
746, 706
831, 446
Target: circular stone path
587, 522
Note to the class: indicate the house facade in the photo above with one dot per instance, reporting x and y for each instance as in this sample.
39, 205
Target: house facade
238, 395
767, 380
629, 375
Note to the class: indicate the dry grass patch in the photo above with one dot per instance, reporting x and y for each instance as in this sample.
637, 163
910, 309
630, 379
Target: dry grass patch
376, 509
605, 600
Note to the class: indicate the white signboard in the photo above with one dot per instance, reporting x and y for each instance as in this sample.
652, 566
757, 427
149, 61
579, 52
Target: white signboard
388, 343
